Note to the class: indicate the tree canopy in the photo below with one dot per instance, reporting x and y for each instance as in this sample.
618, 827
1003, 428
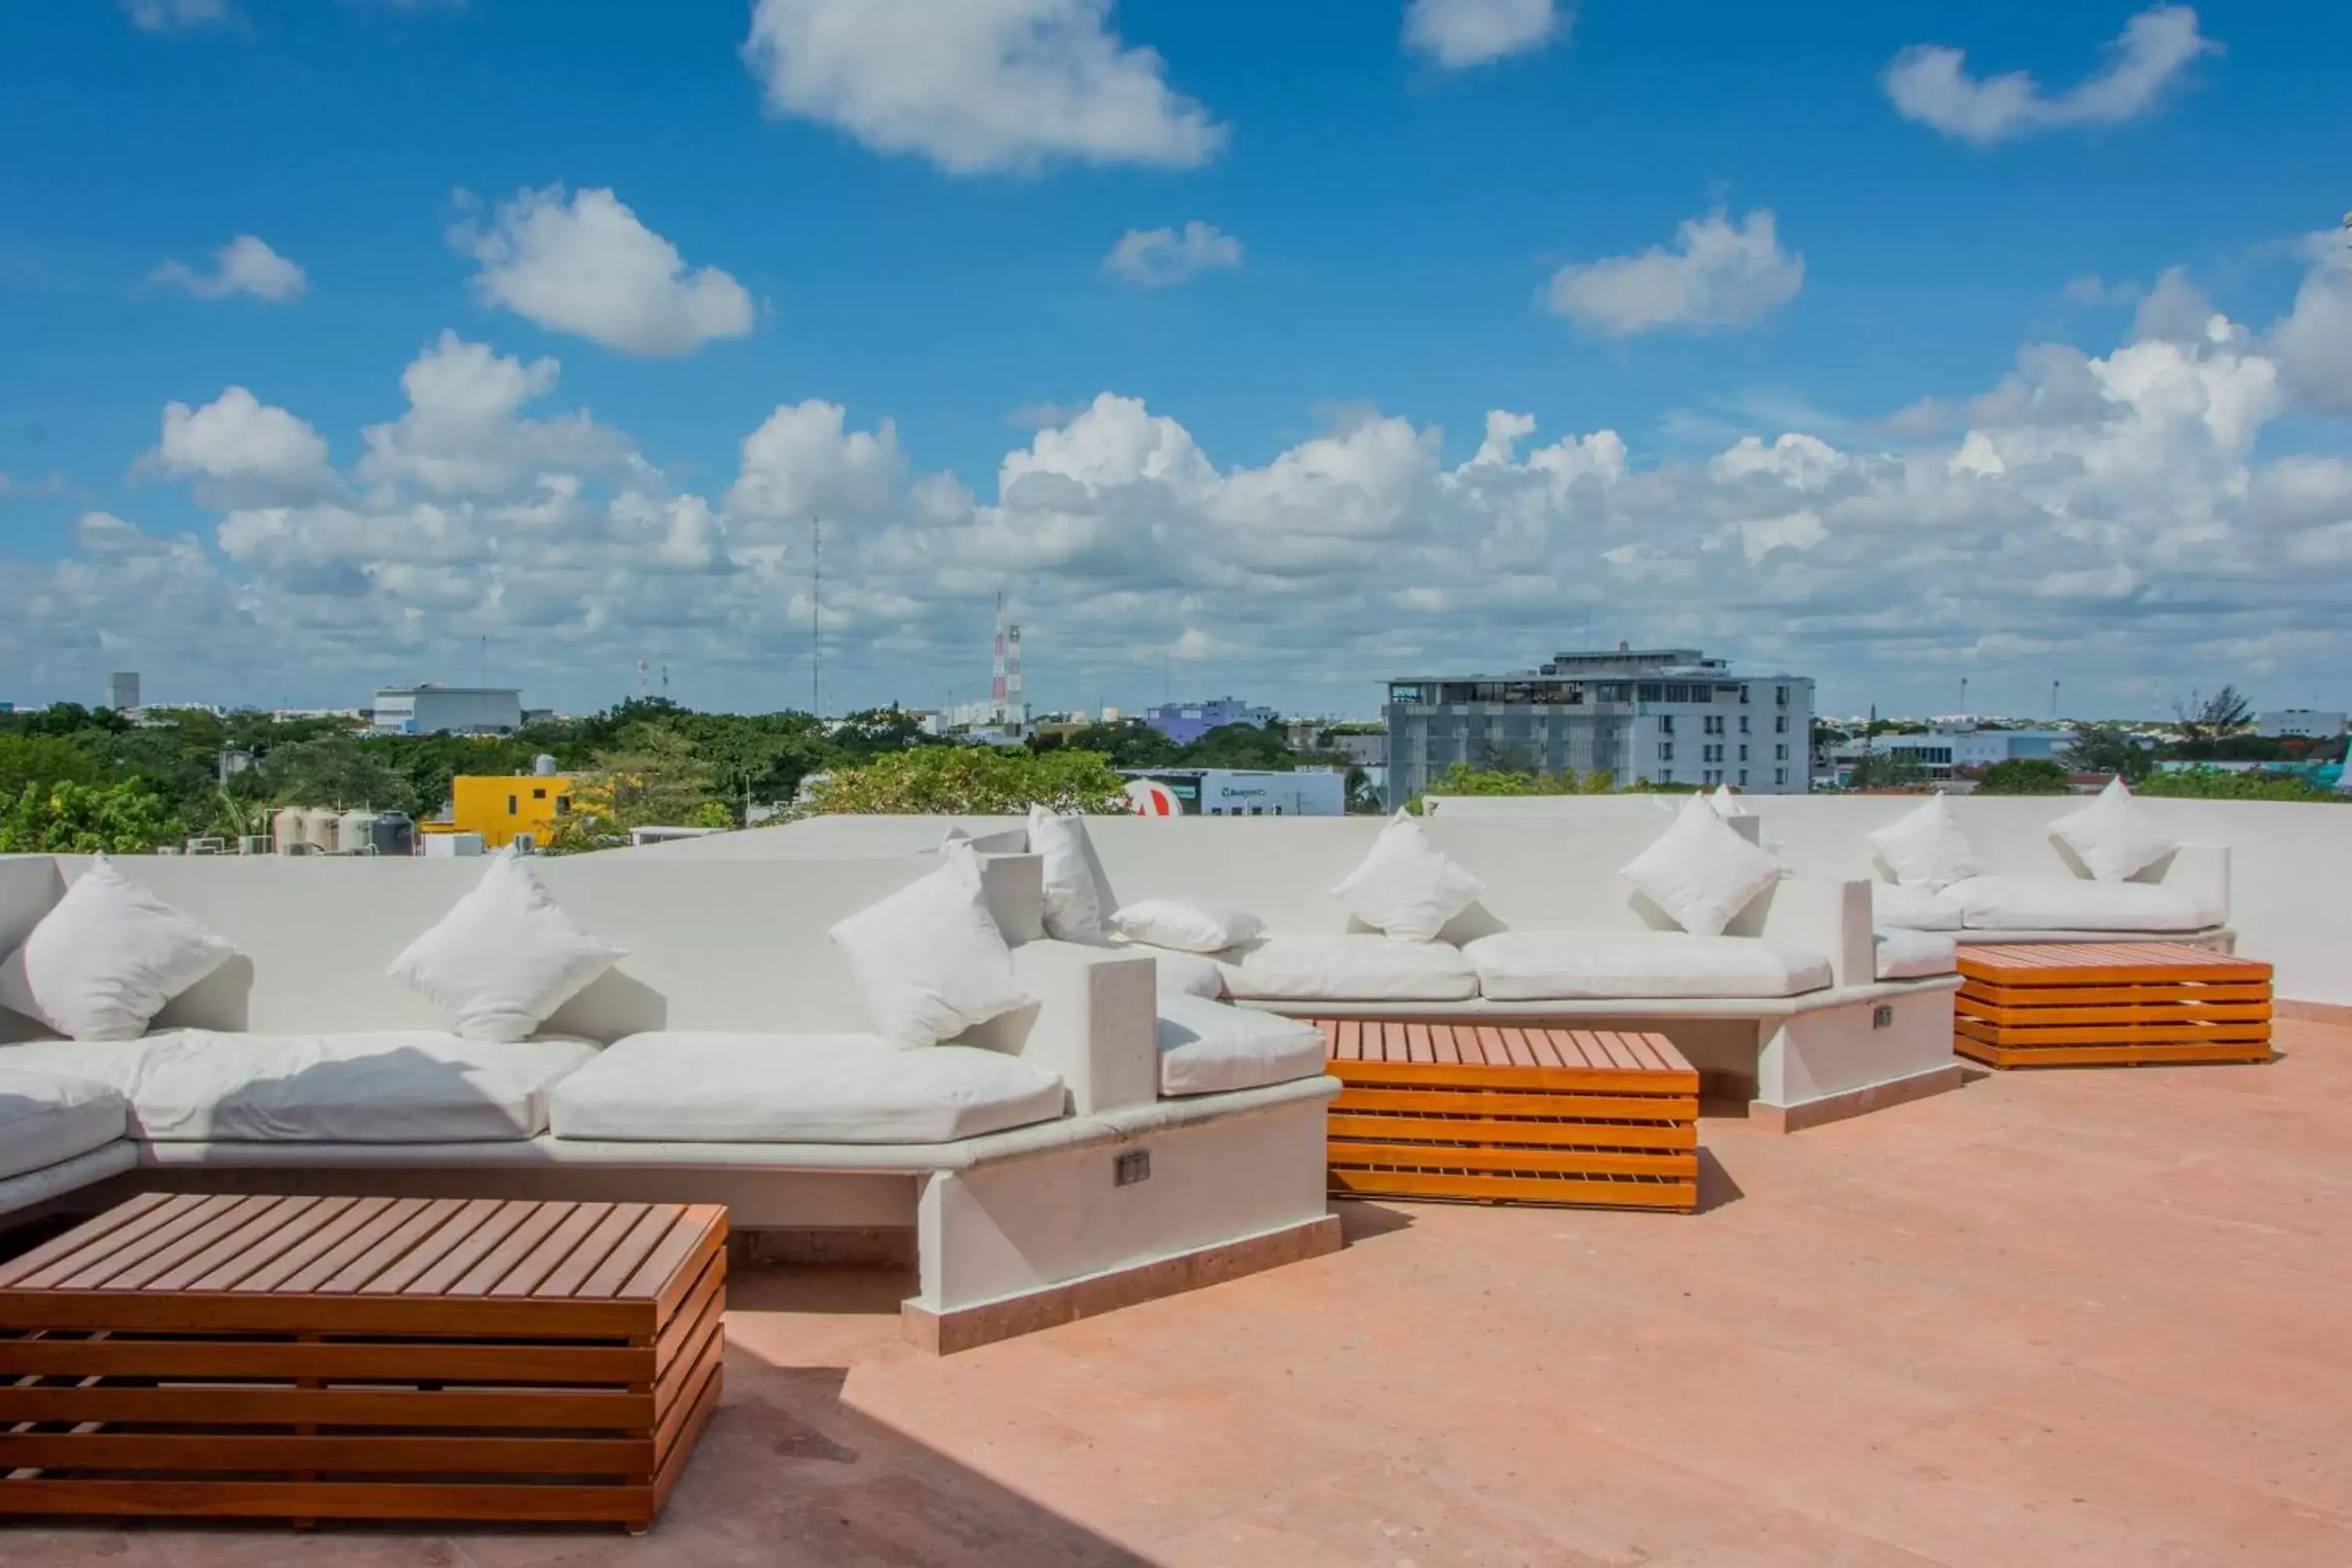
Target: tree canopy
2025, 775
977, 781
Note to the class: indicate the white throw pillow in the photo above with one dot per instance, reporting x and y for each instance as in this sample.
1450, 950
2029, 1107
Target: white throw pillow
929, 958
1074, 910
1407, 887
1181, 974
1188, 925
1701, 872
107, 958
1925, 847
504, 957
2112, 835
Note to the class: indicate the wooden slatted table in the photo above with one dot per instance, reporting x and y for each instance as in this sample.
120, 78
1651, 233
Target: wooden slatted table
1511, 1113
361, 1358
2109, 1004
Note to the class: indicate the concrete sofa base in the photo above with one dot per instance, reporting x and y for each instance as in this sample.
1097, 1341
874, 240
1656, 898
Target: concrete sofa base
1015, 1231
967, 1327
1820, 1056
2213, 938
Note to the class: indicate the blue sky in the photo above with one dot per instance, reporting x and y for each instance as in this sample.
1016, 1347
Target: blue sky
1842, 351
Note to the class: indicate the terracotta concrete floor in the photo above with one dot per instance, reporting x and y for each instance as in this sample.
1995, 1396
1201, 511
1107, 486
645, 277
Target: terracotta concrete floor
2078, 1318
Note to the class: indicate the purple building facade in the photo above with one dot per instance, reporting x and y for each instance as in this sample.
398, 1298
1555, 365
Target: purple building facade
1185, 723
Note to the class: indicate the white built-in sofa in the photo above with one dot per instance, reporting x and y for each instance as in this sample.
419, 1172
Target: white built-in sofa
1788, 1006
727, 1059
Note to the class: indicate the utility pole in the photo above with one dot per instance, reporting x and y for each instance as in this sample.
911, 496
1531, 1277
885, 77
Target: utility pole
2053, 702
1964, 697
817, 617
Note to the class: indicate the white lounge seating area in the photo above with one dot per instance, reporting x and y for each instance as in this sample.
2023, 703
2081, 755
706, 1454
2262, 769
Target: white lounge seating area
803, 1047
1774, 988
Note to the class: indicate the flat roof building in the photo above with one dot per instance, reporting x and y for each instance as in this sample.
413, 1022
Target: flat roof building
1185, 723
431, 709
2300, 723
1655, 715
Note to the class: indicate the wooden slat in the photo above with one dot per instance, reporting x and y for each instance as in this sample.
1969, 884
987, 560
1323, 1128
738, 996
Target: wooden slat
1606, 1079
709, 1289
542, 1260
447, 1236
1614, 1193
176, 1498
398, 1360
395, 1245
1487, 1102
119, 1226
1341, 1126
1349, 1154
2111, 1035
285, 1312
132, 1273
681, 1241
2130, 1013
127, 1249
226, 1453
630, 1252
2112, 1055
517, 1245
329, 1407
593, 1249
1987, 993
310, 1273
1440, 1039
711, 1221
288, 1240
479, 1242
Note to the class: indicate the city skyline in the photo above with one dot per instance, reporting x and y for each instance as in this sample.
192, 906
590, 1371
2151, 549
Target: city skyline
1270, 355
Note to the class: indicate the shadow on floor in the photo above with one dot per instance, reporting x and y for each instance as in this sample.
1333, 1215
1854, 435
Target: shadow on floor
1715, 1188
1361, 1220
858, 1292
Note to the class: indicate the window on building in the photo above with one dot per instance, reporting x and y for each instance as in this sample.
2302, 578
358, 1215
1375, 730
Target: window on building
539, 794
563, 804
510, 806
1743, 697
1743, 751
1667, 775
1780, 724
1665, 751
1743, 773
1743, 723
1780, 695
1779, 753
1651, 692
1780, 776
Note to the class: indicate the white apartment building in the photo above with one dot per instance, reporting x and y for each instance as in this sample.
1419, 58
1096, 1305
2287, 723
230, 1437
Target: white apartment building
2300, 723
435, 709
1659, 715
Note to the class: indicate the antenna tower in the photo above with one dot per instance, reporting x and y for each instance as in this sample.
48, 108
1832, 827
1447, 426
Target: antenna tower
817, 617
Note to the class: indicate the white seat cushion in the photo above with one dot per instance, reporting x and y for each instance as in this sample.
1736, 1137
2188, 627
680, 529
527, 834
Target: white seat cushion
1904, 955
1548, 965
1208, 1048
1073, 904
1181, 974
46, 1116
1912, 908
700, 1086
2072, 903
1357, 968
397, 1087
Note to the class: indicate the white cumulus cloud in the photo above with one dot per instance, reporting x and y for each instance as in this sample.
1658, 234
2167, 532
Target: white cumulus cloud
1459, 32
1717, 274
463, 434
1930, 83
803, 463
588, 265
244, 265
240, 449
977, 85
172, 16
1156, 258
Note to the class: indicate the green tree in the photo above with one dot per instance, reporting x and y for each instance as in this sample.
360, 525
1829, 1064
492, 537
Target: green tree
66, 818
337, 771
1875, 769
1461, 778
977, 781
1129, 743
1265, 746
652, 778
2220, 784
2106, 747
2025, 775
2219, 717
42, 759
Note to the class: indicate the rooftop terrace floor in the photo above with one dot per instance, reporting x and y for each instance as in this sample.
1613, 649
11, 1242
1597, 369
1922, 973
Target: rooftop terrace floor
2089, 1317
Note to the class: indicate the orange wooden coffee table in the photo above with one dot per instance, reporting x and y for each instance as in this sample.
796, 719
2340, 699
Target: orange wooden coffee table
361, 1358
1519, 1113
2109, 1004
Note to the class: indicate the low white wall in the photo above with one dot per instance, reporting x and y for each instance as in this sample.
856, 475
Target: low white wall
712, 945
2290, 863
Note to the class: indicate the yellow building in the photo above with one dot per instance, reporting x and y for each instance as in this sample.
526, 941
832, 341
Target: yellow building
499, 805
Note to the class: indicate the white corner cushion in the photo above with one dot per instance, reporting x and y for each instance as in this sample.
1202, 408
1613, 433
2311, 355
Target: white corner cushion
1406, 887
1181, 974
1355, 968
1567, 965
396, 1087
1912, 908
2072, 903
1727, 804
929, 958
1073, 904
46, 1116
1906, 954
2112, 836
1701, 871
1924, 847
504, 957
702, 1087
1188, 925
106, 958
1208, 1048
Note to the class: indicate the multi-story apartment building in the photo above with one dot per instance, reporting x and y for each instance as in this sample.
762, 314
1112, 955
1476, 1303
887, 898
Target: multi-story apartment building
1664, 715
